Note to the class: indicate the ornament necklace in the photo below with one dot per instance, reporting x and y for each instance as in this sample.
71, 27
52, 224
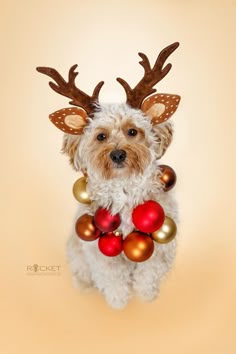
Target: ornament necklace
149, 219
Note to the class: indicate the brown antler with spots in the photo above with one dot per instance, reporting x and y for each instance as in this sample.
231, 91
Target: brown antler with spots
69, 89
151, 77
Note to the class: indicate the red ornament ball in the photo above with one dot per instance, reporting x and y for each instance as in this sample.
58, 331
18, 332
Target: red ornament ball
105, 221
148, 217
110, 244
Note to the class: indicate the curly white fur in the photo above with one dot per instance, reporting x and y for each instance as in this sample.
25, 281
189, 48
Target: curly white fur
118, 278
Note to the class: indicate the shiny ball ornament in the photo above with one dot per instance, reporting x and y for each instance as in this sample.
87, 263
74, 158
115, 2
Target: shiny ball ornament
85, 228
167, 231
168, 177
110, 244
105, 221
79, 191
138, 247
148, 217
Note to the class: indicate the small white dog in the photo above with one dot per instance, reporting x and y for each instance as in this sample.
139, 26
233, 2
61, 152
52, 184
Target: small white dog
117, 147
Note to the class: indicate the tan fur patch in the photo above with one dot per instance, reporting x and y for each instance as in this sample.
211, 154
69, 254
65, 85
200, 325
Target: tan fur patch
138, 158
164, 136
100, 158
69, 146
128, 124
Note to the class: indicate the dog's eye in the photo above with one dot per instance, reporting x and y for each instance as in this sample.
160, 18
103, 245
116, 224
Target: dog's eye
132, 132
101, 137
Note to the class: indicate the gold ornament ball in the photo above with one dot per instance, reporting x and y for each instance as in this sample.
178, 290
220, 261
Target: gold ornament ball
138, 247
79, 191
167, 231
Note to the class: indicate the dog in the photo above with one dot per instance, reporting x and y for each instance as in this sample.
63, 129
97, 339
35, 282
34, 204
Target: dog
118, 147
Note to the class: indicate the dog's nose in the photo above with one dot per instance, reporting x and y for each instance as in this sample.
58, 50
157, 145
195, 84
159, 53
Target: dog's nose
118, 156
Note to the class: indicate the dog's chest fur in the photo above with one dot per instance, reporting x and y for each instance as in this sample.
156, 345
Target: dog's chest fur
123, 195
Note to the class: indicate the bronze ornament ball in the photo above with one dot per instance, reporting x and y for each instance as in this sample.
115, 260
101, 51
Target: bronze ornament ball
167, 231
168, 177
85, 228
80, 192
138, 247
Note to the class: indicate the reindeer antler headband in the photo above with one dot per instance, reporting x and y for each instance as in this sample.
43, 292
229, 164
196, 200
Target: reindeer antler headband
69, 89
162, 105
151, 77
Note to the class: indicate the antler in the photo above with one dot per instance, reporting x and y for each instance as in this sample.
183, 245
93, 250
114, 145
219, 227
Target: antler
69, 89
151, 77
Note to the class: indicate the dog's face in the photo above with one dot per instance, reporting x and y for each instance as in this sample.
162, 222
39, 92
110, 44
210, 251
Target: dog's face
118, 149
118, 142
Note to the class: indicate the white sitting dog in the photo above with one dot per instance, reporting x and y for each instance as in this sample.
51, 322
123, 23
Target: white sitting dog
117, 147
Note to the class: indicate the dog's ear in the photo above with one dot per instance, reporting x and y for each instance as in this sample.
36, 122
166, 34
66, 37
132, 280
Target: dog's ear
70, 147
163, 134
70, 120
160, 107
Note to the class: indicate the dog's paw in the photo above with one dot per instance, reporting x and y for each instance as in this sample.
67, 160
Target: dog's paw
117, 297
117, 303
147, 295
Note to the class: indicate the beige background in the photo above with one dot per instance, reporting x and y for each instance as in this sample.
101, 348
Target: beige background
196, 310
